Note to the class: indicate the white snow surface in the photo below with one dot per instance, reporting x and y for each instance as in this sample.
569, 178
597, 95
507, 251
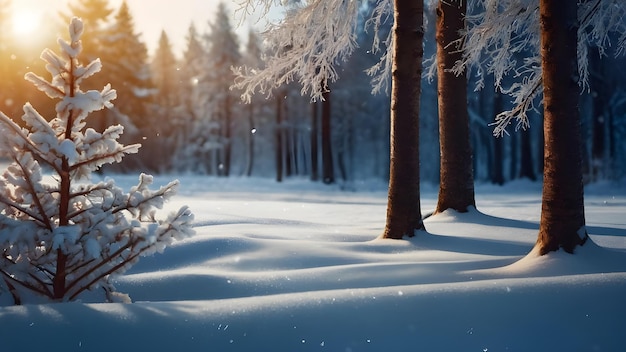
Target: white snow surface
298, 266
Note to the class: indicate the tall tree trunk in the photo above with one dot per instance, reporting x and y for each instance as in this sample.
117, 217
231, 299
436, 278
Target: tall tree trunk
403, 202
328, 173
456, 185
314, 146
562, 209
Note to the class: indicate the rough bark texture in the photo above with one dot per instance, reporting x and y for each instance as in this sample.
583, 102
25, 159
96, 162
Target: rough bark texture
456, 187
403, 204
562, 209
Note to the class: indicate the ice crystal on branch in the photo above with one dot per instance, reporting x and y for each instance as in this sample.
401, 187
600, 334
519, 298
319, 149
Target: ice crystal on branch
59, 239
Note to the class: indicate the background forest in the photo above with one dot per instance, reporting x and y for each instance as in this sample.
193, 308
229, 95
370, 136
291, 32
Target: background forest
180, 107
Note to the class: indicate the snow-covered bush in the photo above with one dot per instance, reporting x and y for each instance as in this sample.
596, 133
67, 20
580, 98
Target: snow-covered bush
62, 237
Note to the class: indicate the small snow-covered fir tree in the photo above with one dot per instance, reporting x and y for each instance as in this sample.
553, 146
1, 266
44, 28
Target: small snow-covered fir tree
61, 238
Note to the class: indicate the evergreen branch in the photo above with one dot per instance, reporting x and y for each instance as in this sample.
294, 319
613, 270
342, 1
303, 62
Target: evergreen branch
45, 219
30, 146
503, 119
19, 208
45, 286
117, 254
16, 298
100, 158
25, 284
594, 9
126, 261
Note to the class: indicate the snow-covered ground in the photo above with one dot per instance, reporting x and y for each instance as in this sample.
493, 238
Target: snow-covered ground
298, 267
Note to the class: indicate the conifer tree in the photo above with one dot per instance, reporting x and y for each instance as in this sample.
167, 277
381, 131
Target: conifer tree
130, 70
252, 58
61, 238
166, 103
223, 54
200, 135
165, 76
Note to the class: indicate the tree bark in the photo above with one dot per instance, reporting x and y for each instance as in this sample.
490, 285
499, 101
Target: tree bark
403, 202
456, 187
562, 209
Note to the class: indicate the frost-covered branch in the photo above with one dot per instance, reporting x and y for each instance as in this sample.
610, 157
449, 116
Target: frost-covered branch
499, 32
381, 71
305, 47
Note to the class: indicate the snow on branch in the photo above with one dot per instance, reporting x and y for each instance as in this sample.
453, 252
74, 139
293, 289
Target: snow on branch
502, 39
381, 71
305, 46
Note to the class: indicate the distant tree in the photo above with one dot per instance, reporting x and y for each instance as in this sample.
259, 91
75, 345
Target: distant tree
321, 34
222, 54
60, 239
252, 57
314, 141
328, 173
166, 104
456, 185
198, 137
279, 146
165, 76
95, 14
130, 72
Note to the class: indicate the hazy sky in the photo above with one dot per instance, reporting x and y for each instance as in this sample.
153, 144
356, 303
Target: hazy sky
151, 16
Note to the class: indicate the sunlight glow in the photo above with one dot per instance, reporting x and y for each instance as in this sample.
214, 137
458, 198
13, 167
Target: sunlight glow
25, 23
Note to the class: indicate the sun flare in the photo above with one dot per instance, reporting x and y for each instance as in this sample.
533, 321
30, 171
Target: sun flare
25, 23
